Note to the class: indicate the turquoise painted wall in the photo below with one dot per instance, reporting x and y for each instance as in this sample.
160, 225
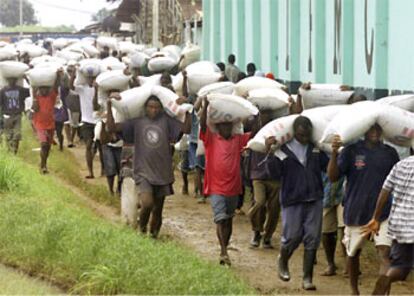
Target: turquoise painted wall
363, 43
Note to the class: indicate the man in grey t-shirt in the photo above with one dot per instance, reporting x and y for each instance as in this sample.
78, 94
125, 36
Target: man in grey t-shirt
153, 172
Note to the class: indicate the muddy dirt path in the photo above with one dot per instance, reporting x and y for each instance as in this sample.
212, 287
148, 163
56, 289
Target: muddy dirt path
192, 225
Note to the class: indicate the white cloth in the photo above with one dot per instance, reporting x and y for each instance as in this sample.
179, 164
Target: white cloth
400, 182
299, 150
86, 94
354, 240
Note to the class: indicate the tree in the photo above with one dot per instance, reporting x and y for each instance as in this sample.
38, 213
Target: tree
9, 13
101, 15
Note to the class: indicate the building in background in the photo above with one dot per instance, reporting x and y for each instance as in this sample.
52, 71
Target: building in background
363, 43
137, 16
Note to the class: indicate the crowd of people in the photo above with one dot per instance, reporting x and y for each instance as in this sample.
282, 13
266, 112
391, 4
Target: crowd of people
360, 193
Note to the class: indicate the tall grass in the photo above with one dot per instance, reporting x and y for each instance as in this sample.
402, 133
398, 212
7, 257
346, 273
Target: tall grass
9, 177
47, 231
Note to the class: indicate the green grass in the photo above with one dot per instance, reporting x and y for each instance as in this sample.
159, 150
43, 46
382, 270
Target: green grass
47, 231
16, 283
64, 165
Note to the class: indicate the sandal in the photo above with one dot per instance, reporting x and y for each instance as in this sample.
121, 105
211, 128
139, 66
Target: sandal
329, 271
90, 177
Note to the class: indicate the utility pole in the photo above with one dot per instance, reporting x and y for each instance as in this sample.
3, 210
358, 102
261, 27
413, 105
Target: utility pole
155, 23
21, 18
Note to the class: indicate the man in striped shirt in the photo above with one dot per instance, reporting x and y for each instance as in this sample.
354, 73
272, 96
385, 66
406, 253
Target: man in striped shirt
399, 183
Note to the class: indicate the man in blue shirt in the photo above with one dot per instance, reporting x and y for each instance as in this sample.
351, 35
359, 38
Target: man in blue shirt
365, 165
302, 165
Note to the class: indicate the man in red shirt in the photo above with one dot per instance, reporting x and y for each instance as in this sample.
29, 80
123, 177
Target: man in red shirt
222, 179
43, 118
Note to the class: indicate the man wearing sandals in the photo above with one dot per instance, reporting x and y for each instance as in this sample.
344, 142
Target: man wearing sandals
222, 179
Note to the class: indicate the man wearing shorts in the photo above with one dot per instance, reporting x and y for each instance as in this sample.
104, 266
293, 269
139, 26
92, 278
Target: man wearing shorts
332, 222
365, 165
72, 103
44, 120
86, 94
222, 179
12, 99
399, 183
153, 172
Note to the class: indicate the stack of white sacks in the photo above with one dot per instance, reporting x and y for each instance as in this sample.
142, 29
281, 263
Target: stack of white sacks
325, 105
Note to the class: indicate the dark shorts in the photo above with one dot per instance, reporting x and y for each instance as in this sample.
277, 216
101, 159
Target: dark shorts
402, 255
157, 191
87, 131
192, 157
223, 206
112, 160
184, 163
200, 163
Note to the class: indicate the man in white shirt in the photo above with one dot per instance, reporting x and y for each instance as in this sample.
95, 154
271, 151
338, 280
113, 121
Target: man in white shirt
86, 94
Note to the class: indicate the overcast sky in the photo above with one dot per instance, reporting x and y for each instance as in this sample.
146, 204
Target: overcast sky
68, 12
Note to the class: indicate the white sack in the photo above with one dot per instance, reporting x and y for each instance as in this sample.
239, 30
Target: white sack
138, 59
225, 88
133, 100
397, 125
59, 43
110, 42
127, 47
69, 55
229, 108
131, 104
90, 67
43, 76
150, 51
324, 95
112, 63
160, 64
172, 51
191, 54
90, 50
47, 59
269, 98
281, 129
31, 49
405, 102
8, 52
13, 69
320, 118
243, 87
115, 79
168, 99
201, 74
353, 122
